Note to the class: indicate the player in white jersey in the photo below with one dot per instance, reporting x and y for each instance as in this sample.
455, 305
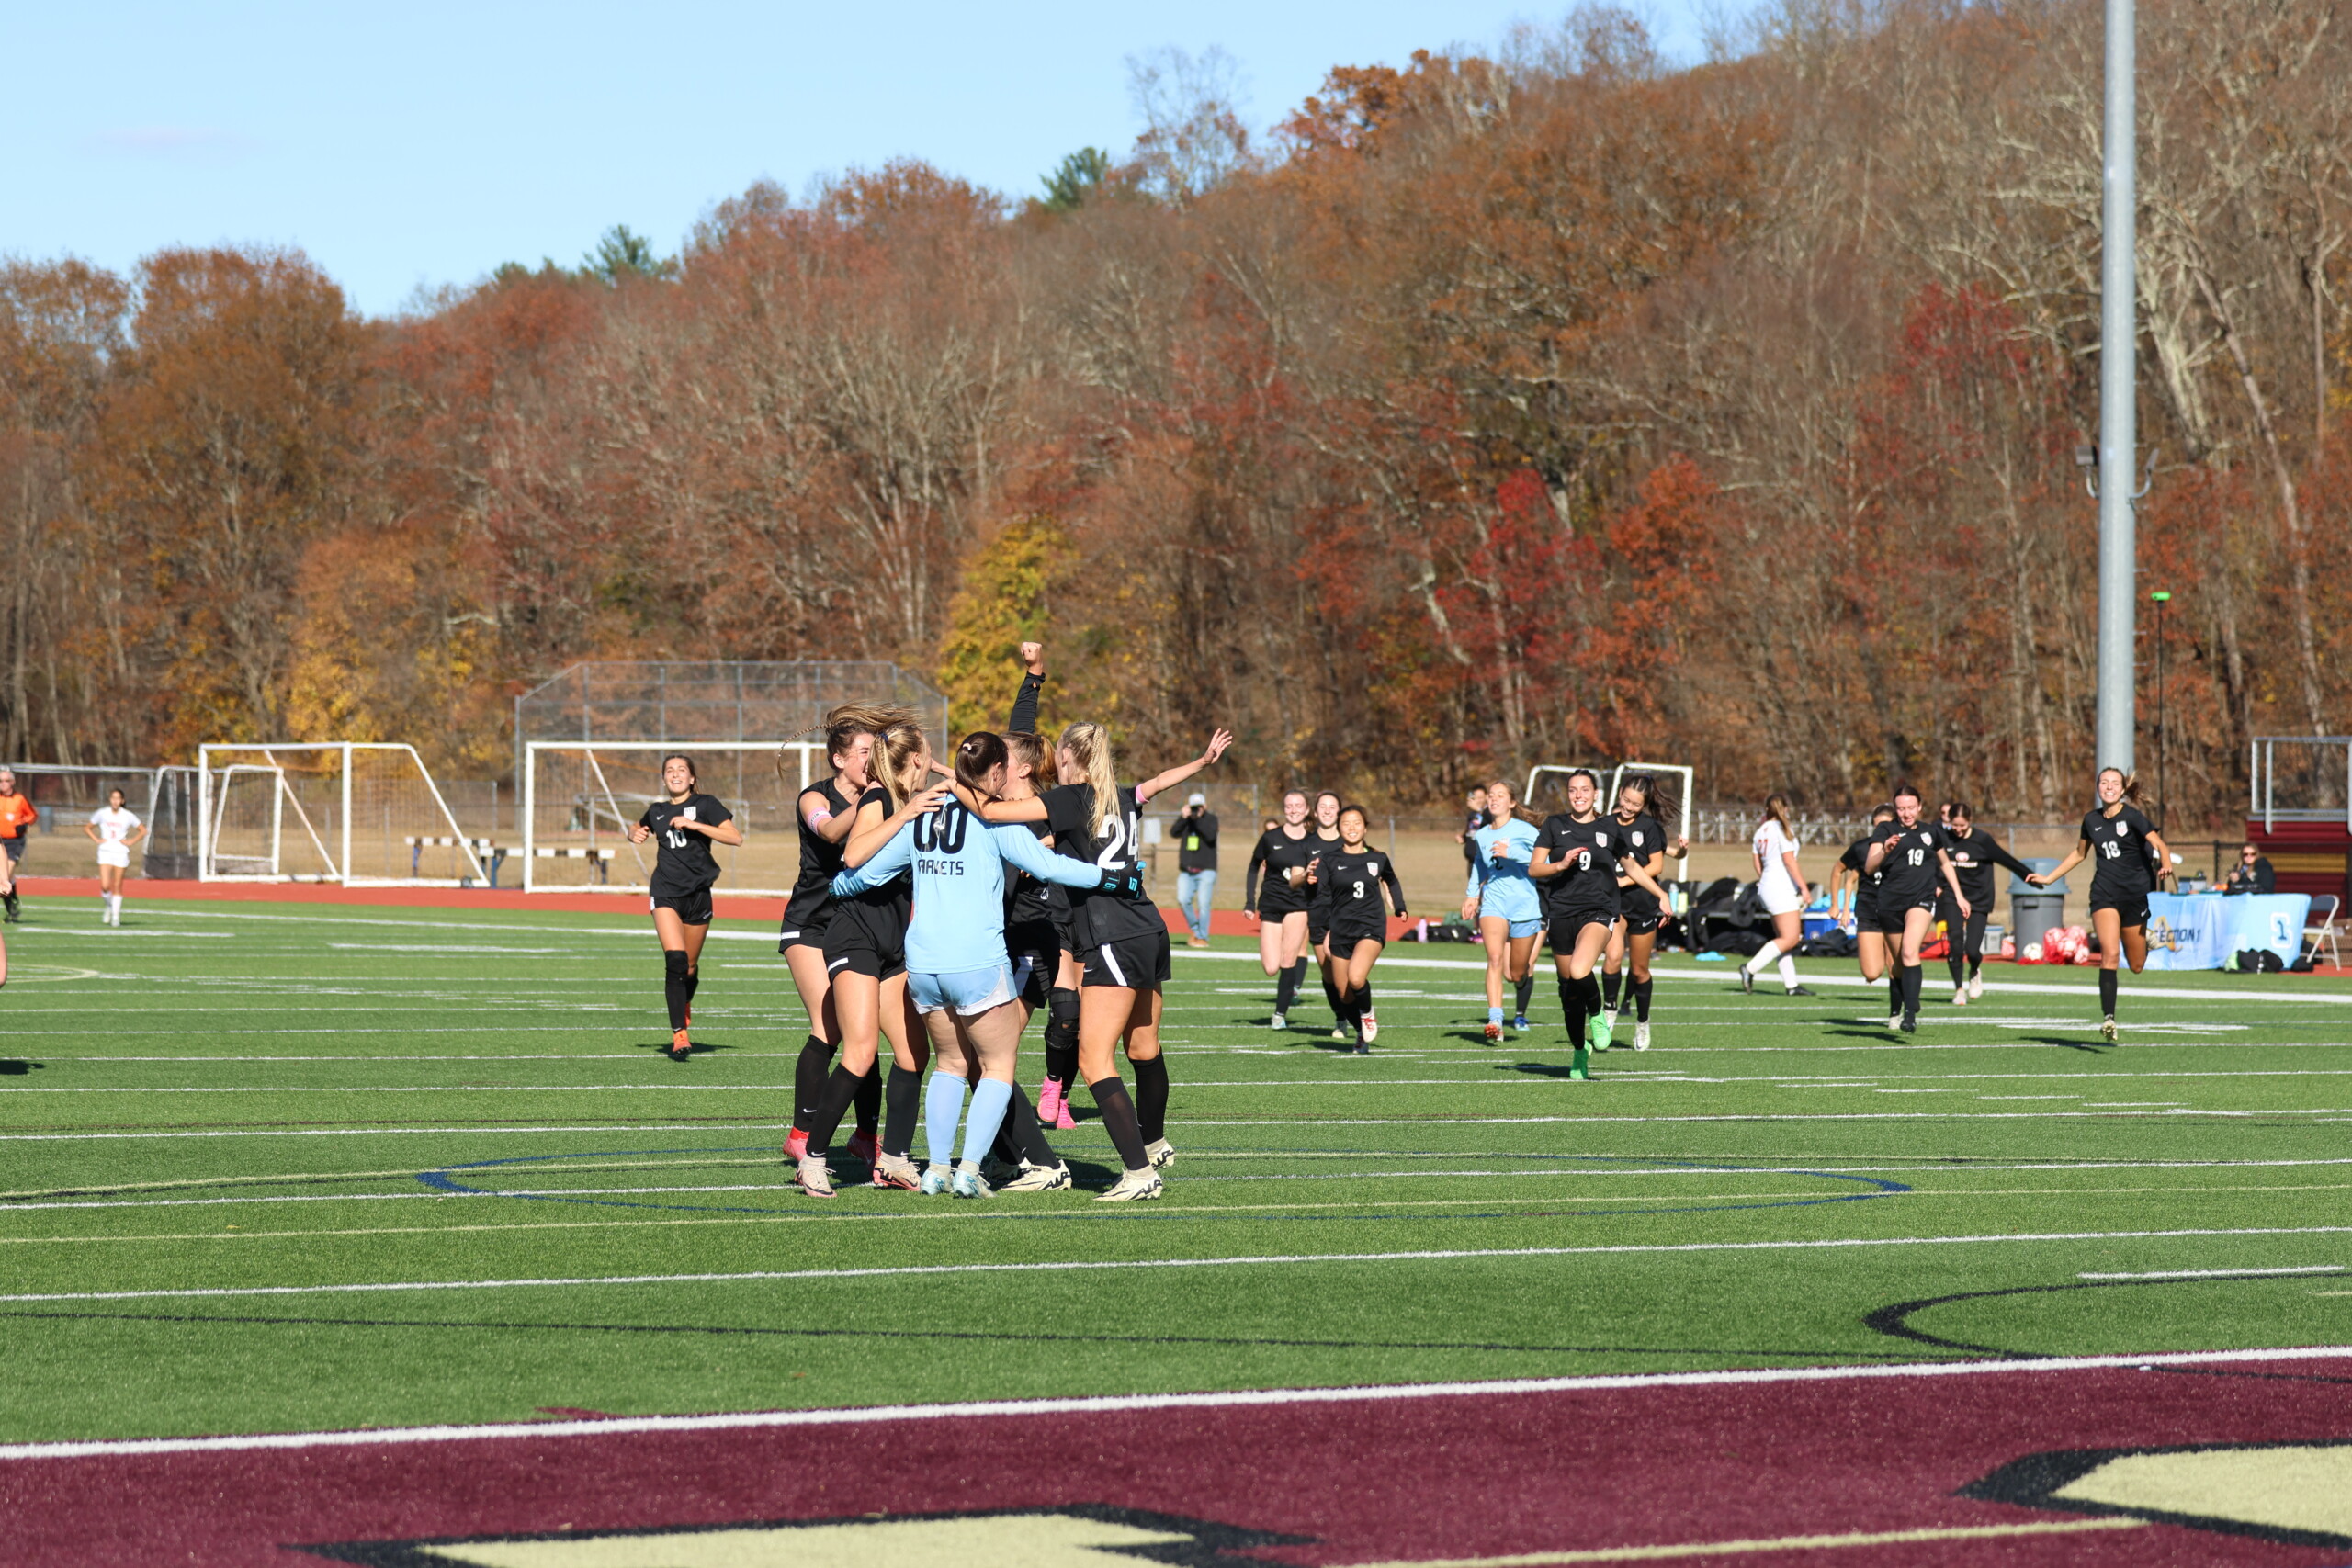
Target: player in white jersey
1783, 888
114, 830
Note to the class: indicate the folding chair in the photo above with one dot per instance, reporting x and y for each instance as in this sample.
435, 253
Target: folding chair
2321, 932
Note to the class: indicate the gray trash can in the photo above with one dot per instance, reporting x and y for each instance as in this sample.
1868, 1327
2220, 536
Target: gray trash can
2034, 912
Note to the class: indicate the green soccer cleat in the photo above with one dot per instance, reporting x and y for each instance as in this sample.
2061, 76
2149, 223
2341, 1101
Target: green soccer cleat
1602, 1028
1581, 1064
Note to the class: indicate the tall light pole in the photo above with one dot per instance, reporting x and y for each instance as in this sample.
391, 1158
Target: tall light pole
2164, 736
2118, 389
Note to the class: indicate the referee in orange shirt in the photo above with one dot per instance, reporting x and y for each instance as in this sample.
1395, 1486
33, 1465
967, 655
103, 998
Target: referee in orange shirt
17, 814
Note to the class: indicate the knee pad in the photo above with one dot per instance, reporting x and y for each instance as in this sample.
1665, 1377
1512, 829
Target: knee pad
1061, 1017
673, 962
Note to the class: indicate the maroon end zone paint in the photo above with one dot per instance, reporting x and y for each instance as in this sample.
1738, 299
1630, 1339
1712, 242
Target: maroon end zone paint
1410, 1479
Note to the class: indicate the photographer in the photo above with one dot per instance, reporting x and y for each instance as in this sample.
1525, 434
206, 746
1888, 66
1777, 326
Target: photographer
1196, 866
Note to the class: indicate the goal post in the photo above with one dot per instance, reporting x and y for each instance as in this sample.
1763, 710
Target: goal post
359, 813
580, 800
1678, 778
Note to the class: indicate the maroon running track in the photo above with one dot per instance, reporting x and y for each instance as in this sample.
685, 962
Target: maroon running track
1437, 1476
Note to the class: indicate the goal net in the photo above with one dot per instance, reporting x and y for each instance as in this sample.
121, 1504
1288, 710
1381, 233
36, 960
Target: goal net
357, 813
579, 802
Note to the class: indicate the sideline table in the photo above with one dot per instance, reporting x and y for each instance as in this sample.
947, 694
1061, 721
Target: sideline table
2199, 931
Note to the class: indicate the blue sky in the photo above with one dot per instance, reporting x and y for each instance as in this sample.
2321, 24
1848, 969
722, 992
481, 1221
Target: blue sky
423, 144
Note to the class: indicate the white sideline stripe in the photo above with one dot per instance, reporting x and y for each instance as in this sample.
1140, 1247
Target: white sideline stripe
2217, 1273
2005, 988
1076, 1266
1113, 1404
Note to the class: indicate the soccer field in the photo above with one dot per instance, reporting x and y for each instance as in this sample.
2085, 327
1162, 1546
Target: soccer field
290, 1168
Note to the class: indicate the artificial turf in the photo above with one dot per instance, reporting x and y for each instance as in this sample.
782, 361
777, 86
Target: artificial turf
209, 1114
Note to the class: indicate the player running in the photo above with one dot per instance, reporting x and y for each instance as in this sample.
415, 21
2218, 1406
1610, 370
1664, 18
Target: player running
684, 826
825, 812
114, 829
17, 815
1325, 834
1277, 907
1347, 894
1973, 856
1576, 858
1123, 946
1641, 838
2129, 858
1504, 903
1859, 888
1781, 885
1914, 859
959, 974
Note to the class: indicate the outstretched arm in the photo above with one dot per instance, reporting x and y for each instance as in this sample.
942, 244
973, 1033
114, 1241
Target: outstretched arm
1182, 771
1020, 849
2001, 857
1023, 719
1396, 888
2044, 878
893, 858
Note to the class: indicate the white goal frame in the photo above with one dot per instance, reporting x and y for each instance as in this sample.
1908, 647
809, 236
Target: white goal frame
282, 795
1617, 777
533, 852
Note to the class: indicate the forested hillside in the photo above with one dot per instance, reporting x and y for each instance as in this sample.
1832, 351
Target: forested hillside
1552, 405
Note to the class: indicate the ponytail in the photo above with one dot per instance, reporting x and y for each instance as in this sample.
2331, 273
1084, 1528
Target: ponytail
898, 749
1776, 810
1089, 745
980, 753
841, 725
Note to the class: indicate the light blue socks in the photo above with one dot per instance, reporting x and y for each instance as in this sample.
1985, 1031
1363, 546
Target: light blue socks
988, 1104
942, 1107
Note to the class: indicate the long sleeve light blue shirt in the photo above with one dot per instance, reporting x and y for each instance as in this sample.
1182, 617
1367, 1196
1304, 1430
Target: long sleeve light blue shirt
1505, 889
959, 863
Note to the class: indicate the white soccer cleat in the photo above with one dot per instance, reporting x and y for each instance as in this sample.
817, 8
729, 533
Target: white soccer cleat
1160, 1154
1370, 1029
1133, 1187
1959, 996
969, 1183
2107, 1027
1641, 1037
812, 1178
937, 1180
1976, 986
1278, 1022
1037, 1179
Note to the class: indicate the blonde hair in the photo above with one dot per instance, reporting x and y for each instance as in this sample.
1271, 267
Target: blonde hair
1776, 810
1089, 745
899, 747
1028, 749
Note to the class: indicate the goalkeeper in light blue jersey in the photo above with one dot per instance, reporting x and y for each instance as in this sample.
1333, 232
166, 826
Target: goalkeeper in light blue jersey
957, 973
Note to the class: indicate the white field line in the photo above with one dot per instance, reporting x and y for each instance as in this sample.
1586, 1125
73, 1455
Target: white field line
1244, 1398
1261, 1260
2216, 1273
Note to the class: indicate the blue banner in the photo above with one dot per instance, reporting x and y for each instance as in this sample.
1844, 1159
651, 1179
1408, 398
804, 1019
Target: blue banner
2199, 931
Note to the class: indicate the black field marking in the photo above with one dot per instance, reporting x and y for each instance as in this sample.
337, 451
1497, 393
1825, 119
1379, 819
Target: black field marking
1202, 1543
1239, 1342
1894, 1320
2034, 1480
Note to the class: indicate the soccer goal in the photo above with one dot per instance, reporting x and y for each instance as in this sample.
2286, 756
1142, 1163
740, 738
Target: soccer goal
579, 802
359, 813
1547, 788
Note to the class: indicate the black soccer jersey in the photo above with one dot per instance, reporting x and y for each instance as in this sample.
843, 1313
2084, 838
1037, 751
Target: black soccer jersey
1026, 899
2122, 872
1098, 918
1640, 841
1347, 891
1909, 873
1588, 850
877, 917
682, 861
1857, 859
1279, 854
819, 859
1974, 858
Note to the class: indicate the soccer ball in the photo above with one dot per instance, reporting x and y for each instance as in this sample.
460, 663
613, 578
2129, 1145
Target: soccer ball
2032, 953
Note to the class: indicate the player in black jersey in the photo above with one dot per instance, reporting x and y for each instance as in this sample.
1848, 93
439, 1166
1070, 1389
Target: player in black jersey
1974, 856
1031, 768
1912, 859
824, 813
1278, 905
1347, 895
1575, 862
683, 826
1123, 945
1641, 838
866, 950
2128, 858
1859, 890
1325, 834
